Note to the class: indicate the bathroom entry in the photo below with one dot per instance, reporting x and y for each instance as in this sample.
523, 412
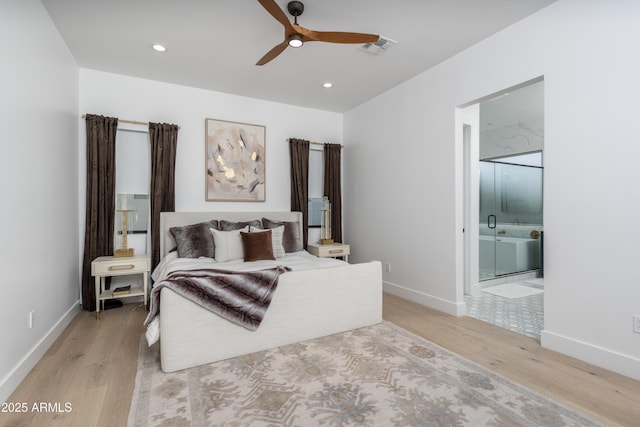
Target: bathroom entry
503, 164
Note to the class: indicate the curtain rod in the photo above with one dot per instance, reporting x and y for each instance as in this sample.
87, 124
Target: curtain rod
317, 143
132, 122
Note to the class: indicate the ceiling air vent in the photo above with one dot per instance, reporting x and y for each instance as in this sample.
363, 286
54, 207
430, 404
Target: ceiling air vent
379, 46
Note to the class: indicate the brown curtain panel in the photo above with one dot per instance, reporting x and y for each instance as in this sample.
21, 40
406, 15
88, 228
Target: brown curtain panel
299, 149
100, 198
333, 187
164, 140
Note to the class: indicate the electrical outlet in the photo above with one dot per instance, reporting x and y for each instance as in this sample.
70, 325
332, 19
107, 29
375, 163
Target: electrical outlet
31, 313
636, 323
388, 267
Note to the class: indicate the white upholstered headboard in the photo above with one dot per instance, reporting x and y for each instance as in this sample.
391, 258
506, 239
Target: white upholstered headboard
173, 219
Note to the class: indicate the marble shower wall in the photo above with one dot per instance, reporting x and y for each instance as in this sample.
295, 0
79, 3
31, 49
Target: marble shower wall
512, 122
512, 138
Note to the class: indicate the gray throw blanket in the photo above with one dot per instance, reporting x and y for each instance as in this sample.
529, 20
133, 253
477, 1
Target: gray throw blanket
240, 297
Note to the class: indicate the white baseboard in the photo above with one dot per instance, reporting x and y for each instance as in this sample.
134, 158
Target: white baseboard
449, 307
11, 381
599, 356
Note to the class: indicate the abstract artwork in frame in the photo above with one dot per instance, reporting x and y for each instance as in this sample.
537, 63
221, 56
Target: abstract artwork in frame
235, 156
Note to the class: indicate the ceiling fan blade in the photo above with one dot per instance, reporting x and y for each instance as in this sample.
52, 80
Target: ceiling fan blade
277, 50
272, 7
294, 30
335, 36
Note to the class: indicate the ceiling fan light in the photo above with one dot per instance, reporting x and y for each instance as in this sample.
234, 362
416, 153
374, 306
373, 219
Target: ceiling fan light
295, 40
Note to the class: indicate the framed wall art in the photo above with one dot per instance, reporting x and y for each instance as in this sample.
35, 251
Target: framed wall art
235, 161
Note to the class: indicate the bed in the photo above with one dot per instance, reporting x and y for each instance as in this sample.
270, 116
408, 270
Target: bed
308, 302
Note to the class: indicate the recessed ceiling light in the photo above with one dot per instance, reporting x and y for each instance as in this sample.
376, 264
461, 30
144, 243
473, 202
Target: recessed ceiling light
327, 85
158, 48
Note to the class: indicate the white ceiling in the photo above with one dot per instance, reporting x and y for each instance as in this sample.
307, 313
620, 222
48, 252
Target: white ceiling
214, 44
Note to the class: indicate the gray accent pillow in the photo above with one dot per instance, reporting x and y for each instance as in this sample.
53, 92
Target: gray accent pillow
195, 240
231, 226
291, 240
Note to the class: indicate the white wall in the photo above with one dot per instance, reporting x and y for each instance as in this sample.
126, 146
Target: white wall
403, 193
145, 100
38, 188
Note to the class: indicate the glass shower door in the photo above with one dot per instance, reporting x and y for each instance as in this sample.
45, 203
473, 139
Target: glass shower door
487, 221
510, 214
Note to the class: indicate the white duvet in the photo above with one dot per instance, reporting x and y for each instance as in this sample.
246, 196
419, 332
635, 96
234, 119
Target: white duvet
297, 261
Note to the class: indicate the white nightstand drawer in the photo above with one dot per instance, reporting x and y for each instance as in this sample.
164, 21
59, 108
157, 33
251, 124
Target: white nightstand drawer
326, 251
119, 266
338, 251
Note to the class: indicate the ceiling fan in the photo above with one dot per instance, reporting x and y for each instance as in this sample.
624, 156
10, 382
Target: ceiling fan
295, 35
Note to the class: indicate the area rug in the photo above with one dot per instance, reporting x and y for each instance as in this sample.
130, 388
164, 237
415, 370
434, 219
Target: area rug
375, 376
512, 290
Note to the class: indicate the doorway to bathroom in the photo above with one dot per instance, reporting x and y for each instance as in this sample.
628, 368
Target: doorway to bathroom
504, 184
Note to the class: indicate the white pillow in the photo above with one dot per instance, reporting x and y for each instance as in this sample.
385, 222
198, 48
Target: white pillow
277, 234
228, 244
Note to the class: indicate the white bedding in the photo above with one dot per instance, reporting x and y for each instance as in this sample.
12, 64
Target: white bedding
297, 261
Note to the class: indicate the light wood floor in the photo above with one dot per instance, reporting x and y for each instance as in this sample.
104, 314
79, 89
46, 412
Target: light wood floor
608, 397
93, 365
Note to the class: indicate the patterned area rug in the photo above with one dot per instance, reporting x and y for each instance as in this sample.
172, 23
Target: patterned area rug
376, 376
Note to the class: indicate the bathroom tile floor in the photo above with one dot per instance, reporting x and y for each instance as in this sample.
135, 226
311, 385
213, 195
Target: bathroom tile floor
522, 315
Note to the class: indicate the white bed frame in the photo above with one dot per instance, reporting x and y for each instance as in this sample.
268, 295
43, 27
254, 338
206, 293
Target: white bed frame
307, 304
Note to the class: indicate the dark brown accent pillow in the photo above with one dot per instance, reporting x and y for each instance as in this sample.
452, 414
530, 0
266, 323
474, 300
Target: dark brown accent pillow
230, 225
195, 240
257, 246
291, 240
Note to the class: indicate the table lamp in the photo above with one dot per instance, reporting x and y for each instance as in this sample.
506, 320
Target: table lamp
325, 224
124, 251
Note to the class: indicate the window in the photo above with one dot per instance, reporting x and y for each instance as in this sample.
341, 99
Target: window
132, 188
316, 186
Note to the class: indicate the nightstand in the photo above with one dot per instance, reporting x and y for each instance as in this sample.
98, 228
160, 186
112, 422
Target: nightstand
330, 251
107, 266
